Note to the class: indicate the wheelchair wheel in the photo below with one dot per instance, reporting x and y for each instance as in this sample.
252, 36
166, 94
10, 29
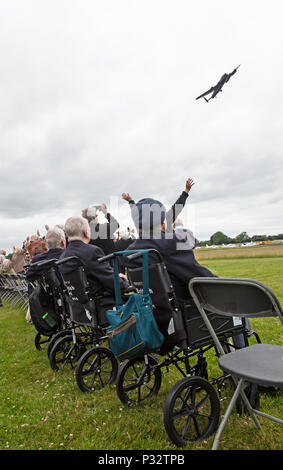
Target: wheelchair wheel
96, 368
138, 381
191, 411
41, 341
55, 337
65, 353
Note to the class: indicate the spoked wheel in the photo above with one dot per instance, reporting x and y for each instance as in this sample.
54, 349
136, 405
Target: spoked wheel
65, 353
138, 381
191, 411
96, 368
41, 340
55, 338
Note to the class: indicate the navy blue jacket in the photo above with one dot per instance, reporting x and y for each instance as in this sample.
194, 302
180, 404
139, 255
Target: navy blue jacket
34, 272
181, 263
100, 275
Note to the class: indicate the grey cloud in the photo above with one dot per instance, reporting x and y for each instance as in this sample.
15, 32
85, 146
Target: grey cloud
99, 100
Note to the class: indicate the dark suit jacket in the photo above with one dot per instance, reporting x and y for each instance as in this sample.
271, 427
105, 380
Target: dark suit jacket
100, 275
181, 263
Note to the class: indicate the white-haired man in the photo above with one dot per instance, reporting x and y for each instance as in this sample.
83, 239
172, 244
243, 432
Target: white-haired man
56, 243
100, 275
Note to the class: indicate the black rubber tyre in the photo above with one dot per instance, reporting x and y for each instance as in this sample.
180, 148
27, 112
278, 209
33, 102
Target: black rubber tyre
55, 337
96, 368
41, 340
65, 353
191, 411
137, 381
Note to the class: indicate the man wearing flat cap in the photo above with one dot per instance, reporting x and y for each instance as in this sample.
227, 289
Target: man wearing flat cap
149, 216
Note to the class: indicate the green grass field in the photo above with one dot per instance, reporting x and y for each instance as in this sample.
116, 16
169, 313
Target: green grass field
42, 409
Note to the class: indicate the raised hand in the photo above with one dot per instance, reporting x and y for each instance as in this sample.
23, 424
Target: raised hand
127, 197
189, 184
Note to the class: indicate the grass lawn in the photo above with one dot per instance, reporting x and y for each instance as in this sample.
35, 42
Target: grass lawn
42, 409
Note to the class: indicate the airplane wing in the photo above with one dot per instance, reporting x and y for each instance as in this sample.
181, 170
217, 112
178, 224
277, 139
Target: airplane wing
206, 93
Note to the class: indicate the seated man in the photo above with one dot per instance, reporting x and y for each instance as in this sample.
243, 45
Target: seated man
150, 221
100, 275
56, 243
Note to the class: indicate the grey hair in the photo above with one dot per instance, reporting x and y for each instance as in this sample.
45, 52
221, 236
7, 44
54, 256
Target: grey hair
61, 226
54, 238
75, 226
91, 212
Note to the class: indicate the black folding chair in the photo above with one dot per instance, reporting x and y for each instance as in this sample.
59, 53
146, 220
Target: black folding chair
260, 364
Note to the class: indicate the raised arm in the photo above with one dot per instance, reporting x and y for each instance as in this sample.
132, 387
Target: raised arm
178, 206
113, 224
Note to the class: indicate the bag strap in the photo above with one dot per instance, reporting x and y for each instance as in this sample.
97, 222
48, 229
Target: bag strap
117, 287
145, 276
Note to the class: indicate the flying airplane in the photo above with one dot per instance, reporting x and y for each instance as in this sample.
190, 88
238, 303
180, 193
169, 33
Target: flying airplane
218, 87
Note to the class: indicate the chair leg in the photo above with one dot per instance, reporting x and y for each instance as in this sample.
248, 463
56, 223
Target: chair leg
251, 411
238, 391
226, 415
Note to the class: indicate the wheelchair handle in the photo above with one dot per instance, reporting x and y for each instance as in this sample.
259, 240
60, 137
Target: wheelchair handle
139, 253
131, 256
44, 262
64, 260
134, 255
106, 258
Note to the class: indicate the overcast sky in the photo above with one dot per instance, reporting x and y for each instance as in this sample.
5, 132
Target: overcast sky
98, 97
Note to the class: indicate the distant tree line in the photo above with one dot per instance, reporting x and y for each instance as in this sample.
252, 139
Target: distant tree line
219, 238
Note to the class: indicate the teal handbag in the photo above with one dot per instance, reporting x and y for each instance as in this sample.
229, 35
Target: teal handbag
133, 331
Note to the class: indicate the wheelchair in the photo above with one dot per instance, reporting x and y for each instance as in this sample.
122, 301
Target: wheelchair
48, 278
192, 407
82, 347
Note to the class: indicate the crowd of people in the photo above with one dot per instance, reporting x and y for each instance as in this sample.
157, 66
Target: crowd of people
88, 239
101, 237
